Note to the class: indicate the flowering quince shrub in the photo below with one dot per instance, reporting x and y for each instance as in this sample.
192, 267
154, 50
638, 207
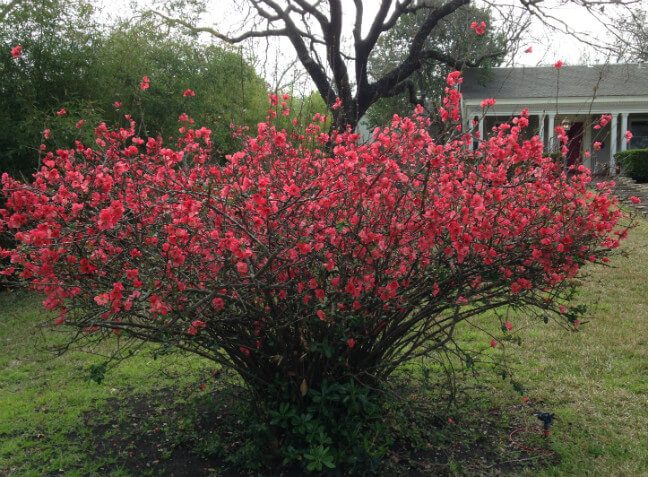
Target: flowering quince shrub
308, 260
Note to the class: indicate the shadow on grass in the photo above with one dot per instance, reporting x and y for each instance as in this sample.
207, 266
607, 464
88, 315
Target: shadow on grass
162, 433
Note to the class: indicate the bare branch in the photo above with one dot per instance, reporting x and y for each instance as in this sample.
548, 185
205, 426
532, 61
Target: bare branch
228, 39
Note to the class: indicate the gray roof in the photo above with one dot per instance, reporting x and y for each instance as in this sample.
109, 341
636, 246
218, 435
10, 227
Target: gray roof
541, 81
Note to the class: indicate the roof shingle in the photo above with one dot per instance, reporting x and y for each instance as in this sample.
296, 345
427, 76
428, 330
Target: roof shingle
542, 82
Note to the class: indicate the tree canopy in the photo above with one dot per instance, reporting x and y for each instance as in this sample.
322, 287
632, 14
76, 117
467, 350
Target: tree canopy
451, 36
72, 65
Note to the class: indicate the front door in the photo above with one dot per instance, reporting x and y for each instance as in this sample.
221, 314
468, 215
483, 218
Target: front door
574, 156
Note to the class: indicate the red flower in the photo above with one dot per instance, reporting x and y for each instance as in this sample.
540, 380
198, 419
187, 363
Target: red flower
351, 343
242, 268
110, 216
337, 104
628, 136
293, 190
17, 51
507, 325
598, 145
479, 28
61, 112
304, 247
198, 324
157, 305
486, 103
321, 315
117, 104
144, 84
635, 200
80, 123
189, 92
454, 78
528, 50
493, 343
558, 64
218, 303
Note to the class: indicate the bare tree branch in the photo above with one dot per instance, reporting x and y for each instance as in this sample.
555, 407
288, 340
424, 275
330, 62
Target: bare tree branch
300, 20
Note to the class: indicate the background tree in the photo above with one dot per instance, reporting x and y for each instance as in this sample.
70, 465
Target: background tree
76, 66
339, 65
227, 89
315, 30
632, 38
59, 38
451, 36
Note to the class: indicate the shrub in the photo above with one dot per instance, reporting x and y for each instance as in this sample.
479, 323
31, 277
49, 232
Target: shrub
634, 164
311, 264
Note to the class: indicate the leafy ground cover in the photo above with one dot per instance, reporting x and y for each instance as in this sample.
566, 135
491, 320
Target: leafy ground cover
173, 414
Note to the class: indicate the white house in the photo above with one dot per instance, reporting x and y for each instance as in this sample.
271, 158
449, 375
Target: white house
573, 97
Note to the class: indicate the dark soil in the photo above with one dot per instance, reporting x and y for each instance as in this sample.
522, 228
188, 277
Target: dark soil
157, 434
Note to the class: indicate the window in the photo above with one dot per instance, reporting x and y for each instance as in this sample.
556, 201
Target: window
639, 130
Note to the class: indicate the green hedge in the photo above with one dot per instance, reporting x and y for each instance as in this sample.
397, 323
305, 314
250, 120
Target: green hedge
634, 163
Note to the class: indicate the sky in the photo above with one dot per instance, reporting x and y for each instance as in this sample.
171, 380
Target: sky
548, 45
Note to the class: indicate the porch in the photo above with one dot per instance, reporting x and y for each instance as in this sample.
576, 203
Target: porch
580, 130
573, 97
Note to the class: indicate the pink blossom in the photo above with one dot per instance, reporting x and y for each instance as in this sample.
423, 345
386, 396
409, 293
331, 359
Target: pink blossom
628, 136
479, 28
17, 51
488, 102
242, 268
145, 83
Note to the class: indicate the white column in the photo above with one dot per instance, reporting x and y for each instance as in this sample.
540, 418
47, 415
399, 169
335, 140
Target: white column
480, 127
470, 127
587, 141
551, 131
623, 131
613, 136
541, 127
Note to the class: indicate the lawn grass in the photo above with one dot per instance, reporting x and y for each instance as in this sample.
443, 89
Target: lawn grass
594, 380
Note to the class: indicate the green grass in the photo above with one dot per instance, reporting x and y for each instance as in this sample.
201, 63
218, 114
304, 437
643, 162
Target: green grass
594, 380
44, 398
